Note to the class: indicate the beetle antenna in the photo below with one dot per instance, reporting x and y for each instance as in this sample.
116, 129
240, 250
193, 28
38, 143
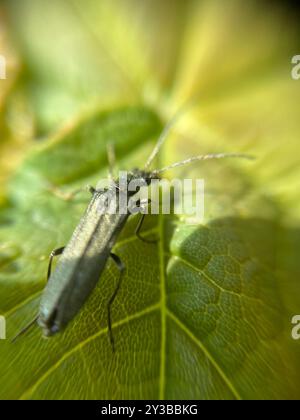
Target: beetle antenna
203, 157
111, 157
25, 329
166, 131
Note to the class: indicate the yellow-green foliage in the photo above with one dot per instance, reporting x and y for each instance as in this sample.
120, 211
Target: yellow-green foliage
206, 313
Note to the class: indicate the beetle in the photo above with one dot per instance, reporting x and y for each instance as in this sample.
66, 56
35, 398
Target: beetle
83, 260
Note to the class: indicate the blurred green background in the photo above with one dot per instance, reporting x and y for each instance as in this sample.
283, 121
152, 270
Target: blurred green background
207, 314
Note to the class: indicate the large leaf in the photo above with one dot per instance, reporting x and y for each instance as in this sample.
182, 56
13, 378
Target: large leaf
16, 120
206, 313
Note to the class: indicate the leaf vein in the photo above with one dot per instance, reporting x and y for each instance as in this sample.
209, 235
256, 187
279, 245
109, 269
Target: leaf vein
80, 345
208, 355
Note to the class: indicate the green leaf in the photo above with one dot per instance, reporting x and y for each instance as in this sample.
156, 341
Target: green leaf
205, 313
203, 307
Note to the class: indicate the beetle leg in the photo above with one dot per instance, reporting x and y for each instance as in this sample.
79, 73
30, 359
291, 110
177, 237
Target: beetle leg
121, 268
142, 206
53, 254
25, 329
138, 231
69, 196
